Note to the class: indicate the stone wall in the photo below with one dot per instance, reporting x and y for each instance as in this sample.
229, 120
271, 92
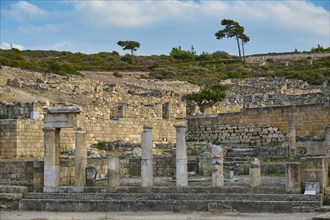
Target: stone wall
21, 138
20, 110
27, 173
24, 137
259, 125
284, 56
31, 174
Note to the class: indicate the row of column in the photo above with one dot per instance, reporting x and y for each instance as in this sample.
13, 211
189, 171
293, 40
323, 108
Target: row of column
147, 157
181, 159
52, 157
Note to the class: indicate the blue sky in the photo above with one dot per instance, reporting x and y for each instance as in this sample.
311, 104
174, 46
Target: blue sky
93, 26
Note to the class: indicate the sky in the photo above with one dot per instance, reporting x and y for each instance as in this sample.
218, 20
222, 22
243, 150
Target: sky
92, 26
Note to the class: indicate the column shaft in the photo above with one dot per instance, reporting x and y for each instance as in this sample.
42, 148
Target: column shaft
146, 158
80, 158
181, 157
292, 138
113, 173
52, 157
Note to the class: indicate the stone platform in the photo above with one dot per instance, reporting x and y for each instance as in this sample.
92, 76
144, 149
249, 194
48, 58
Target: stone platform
241, 199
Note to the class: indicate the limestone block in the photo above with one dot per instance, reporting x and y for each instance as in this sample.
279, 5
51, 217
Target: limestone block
292, 175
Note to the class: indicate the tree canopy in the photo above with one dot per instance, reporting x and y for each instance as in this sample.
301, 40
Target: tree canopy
129, 45
208, 96
233, 29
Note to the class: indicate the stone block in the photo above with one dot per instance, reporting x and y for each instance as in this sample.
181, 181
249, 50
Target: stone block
312, 188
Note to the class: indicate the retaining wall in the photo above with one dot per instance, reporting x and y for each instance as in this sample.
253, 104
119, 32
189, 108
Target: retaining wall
259, 125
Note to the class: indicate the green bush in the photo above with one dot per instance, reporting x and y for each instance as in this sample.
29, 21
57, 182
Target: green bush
117, 74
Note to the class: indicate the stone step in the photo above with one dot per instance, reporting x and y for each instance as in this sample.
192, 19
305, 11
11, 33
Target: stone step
13, 189
10, 196
171, 196
229, 189
66, 205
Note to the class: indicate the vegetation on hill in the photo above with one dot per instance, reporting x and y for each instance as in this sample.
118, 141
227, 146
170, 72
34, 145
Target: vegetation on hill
208, 96
203, 69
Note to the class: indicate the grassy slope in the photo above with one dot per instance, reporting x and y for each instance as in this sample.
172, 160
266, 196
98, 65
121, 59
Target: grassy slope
201, 70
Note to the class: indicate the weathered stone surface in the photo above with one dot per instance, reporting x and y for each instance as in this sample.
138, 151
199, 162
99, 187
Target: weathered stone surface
146, 158
254, 173
292, 175
113, 174
181, 156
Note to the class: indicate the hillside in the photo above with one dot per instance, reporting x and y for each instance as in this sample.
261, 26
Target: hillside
203, 69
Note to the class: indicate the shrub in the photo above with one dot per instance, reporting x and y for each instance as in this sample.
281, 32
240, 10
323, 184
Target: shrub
117, 74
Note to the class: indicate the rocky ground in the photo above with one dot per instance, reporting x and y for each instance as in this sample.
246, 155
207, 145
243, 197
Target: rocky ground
18, 85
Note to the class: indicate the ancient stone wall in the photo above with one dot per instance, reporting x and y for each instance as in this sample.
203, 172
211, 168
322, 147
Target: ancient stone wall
21, 138
285, 56
259, 125
27, 173
24, 138
19, 110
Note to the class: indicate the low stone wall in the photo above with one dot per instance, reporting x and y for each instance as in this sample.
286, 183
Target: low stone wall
259, 125
163, 166
26, 173
284, 56
31, 173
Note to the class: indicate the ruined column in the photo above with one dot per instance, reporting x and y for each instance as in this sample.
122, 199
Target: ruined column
292, 138
181, 156
80, 158
52, 157
146, 158
217, 165
34, 114
327, 139
255, 173
113, 173
292, 177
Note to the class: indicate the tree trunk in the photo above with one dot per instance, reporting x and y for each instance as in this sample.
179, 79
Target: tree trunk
243, 50
132, 52
239, 48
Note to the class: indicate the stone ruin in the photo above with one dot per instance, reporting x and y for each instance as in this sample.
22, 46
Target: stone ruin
180, 153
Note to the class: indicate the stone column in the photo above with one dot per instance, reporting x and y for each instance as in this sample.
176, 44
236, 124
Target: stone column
34, 114
80, 158
255, 173
146, 158
292, 138
327, 139
181, 156
52, 157
292, 176
113, 173
217, 165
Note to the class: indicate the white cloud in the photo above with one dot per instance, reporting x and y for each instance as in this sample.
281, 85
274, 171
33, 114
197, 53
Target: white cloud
60, 46
28, 29
6, 46
132, 13
294, 15
23, 10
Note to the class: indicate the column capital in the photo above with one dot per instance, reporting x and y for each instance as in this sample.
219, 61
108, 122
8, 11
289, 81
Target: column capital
79, 131
147, 127
48, 129
180, 126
